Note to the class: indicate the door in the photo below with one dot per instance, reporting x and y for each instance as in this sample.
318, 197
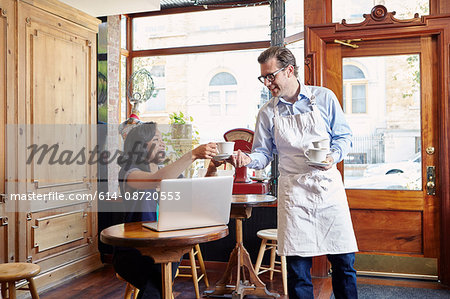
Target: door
389, 97
389, 86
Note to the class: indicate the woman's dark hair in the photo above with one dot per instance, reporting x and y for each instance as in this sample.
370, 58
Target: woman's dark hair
283, 55
135, 153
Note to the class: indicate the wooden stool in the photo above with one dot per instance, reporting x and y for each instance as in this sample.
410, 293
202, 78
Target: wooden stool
12, 272
269, 242
195, 251
131, 291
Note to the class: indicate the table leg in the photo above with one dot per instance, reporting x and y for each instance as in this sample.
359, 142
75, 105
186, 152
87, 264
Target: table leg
239, 259
12, 289
165, 256
4, 287
166, 269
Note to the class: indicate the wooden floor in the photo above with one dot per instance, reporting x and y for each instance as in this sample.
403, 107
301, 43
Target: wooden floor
103, 284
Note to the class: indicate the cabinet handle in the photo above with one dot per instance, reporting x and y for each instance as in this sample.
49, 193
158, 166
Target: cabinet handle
3, 12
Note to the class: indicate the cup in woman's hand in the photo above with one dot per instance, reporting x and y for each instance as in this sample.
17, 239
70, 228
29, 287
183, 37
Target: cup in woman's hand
225, 147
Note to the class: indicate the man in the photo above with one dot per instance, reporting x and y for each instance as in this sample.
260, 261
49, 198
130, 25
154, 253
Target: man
313, 213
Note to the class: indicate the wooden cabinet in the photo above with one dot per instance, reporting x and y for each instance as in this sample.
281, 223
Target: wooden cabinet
49, 93
7, 103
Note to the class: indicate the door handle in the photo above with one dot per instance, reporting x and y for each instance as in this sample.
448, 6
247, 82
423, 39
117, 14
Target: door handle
431, 180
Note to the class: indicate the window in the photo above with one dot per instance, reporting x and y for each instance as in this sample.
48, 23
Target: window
157, 68
352, 10
222, 94
354, 90
243, 24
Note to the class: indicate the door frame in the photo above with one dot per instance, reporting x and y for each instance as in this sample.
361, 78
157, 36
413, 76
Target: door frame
382, 24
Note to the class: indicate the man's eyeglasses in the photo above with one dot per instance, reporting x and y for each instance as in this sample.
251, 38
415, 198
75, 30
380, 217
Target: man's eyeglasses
270, 77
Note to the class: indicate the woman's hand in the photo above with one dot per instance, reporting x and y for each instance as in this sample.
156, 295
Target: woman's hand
212, 167
204, 151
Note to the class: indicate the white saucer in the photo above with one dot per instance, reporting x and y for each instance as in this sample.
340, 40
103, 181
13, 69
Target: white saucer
314, 163
221, 157
258, 179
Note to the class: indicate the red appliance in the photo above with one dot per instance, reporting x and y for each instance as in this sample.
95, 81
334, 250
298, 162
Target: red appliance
243, 140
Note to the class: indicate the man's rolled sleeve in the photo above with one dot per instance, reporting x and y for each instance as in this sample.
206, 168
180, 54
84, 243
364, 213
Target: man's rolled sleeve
263, 147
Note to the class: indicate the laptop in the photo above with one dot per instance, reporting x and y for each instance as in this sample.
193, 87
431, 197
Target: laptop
195, 202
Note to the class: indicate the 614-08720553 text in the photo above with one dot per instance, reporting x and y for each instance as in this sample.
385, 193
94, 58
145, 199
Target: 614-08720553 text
102, 196
141, 195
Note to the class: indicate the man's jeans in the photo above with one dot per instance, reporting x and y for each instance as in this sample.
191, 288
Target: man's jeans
343, 276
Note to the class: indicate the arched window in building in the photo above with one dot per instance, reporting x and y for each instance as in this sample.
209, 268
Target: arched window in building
222, 95
354, 89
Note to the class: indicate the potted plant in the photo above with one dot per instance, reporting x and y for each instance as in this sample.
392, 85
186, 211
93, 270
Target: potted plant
181, 138
181, 125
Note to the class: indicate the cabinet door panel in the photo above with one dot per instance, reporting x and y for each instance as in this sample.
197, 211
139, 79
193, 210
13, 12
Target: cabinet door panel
59, 103
57, 231
57, 91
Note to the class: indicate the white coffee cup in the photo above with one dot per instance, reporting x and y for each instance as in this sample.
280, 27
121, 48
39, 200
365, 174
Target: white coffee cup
260, 173
317, 154
321, 143
225, 147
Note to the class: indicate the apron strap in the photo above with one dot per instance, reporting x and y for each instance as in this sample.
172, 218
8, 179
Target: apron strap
276, 112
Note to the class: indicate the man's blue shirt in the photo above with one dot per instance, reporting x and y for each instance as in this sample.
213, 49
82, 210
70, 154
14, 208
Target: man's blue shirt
330, 110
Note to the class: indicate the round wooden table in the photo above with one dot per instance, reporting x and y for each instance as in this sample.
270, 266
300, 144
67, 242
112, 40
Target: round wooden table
241, 208
163, 247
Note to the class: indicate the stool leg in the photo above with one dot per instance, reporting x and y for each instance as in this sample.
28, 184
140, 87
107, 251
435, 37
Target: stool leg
273, 252
262, 248
128, 291
32, 287
12, 289
202, 264
194, 273
4, 287
284, 273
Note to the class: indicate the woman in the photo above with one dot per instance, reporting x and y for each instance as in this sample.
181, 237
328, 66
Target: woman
140, 174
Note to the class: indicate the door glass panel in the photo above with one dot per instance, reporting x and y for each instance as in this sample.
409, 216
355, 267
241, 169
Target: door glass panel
352, 10
384, 114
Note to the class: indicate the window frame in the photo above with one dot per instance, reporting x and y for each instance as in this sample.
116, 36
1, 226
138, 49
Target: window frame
206, 48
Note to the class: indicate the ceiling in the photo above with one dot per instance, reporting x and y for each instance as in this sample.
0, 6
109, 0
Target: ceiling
100, 8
